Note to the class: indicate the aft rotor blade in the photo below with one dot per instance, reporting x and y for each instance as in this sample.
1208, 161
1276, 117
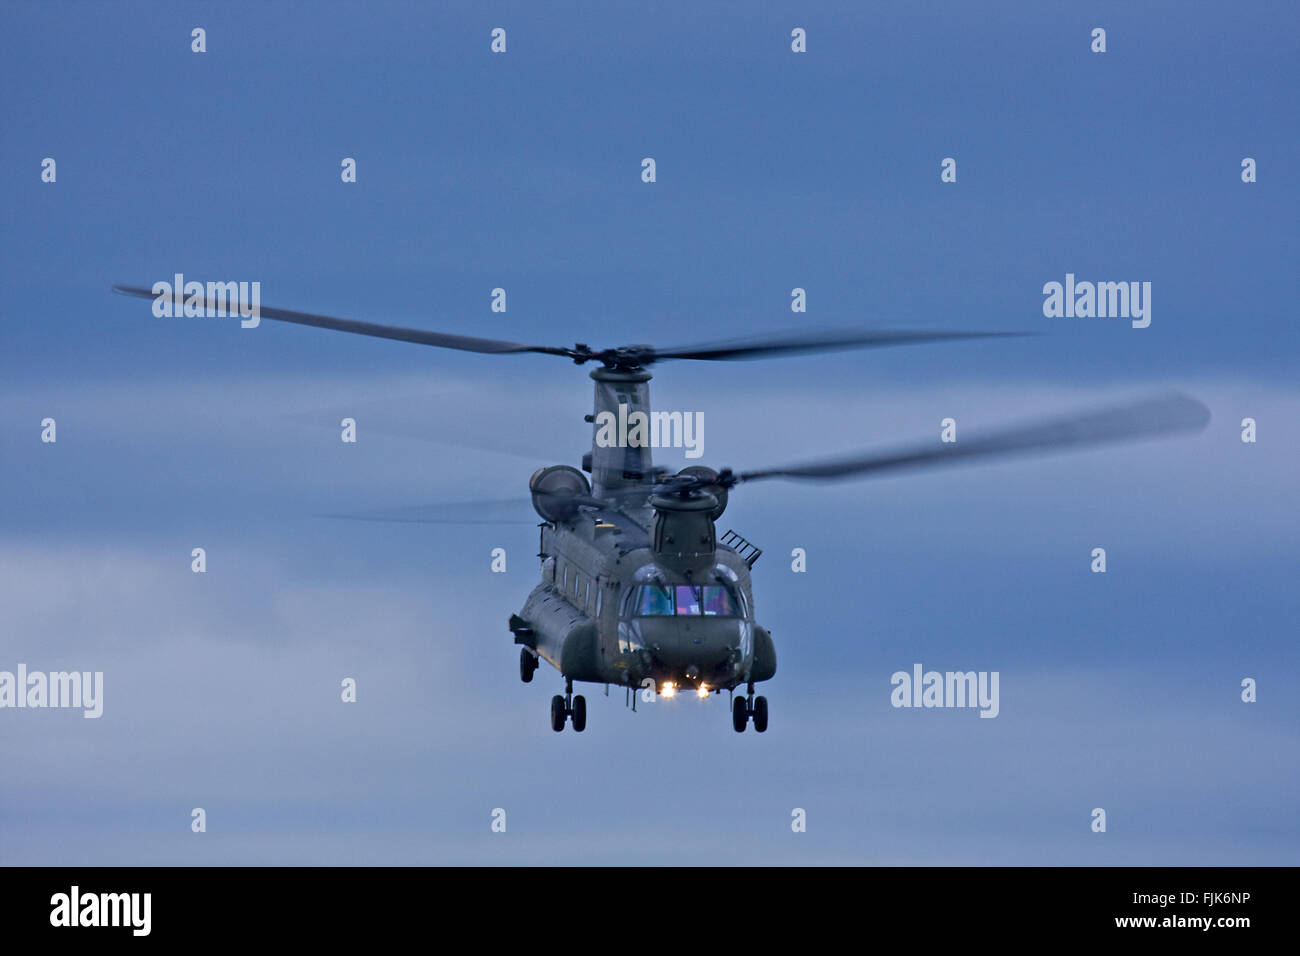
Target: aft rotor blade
465, 343
408, 416
1162, 415
511, 511
794, 344
500, 511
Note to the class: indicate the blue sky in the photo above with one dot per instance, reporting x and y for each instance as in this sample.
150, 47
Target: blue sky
522, 171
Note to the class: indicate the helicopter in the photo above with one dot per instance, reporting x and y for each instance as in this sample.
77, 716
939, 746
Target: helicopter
637, 588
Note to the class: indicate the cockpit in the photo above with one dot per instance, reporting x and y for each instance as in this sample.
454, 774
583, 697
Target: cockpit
698, 632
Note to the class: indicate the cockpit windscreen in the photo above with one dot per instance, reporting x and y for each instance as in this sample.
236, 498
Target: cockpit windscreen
692, 600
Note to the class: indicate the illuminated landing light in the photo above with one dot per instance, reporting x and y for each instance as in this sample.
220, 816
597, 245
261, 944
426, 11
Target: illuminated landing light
669, 689
703, 691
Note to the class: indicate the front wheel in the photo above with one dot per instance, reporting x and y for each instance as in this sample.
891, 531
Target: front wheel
557, 713
579, 715
739, 714
760, 714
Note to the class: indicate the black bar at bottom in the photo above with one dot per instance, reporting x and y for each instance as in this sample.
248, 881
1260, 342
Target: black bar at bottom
663, 905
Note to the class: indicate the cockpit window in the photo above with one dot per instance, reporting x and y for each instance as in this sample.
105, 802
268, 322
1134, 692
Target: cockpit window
654, 600
688, 599
708, 600
717, 600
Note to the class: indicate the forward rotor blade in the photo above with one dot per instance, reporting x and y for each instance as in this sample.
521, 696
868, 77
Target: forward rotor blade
1162, 415
635, 356
794, 344
464, 343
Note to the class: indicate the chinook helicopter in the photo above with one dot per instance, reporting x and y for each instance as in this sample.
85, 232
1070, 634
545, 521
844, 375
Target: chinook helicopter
637, 588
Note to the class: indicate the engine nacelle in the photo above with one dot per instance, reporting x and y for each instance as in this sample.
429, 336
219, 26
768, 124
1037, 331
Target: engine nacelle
553, 487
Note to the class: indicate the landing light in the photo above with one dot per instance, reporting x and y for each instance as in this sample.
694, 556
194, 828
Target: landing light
669, 689
703, 691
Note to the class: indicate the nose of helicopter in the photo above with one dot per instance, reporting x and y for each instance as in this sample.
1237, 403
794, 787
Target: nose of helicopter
692, 647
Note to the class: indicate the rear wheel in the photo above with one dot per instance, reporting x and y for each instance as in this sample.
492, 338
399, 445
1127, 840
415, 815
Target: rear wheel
760, 714
557, 713
739, 714
579, 715
527, 665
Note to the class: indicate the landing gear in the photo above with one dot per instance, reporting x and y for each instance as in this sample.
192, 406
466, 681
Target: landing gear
739, 714
743, 708
567, 707
527, 665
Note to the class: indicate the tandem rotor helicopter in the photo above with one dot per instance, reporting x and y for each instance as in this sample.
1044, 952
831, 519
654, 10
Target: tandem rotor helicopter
637, 588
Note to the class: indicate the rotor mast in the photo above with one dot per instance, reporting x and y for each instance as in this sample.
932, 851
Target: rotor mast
620, 470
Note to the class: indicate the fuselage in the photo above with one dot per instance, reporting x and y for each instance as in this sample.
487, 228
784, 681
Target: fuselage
619, 603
